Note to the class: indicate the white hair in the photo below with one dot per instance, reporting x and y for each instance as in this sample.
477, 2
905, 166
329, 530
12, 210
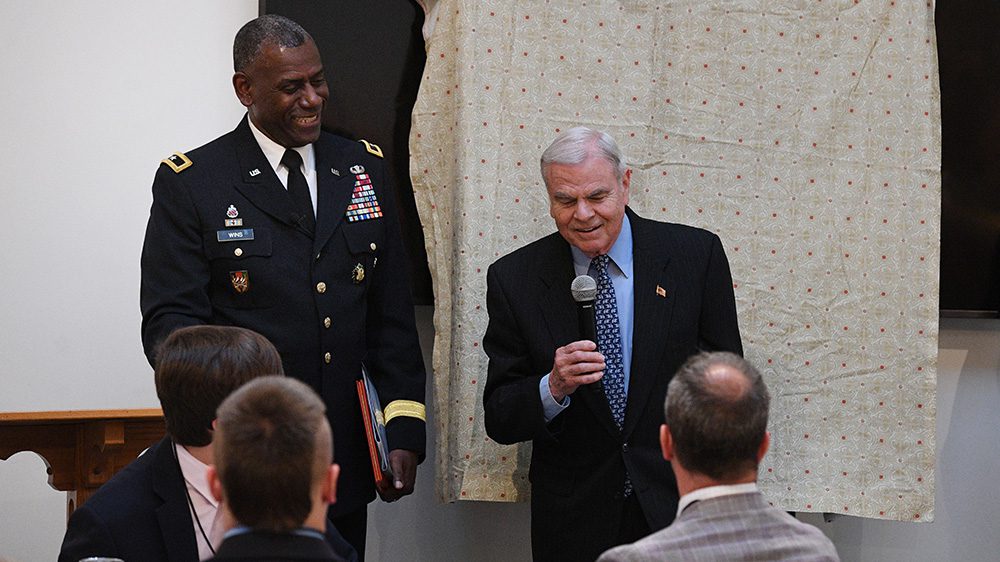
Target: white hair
575, 145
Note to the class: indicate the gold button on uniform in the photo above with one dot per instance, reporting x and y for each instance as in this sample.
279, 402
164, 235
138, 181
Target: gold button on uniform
321, 287
327, 322
373, 246
327, 357
238, 252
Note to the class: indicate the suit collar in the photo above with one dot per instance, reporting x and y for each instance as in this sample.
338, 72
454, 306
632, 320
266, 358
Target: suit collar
555, 269
173, 514
710, 492
334, 186
259, 183
653, 289
260, 545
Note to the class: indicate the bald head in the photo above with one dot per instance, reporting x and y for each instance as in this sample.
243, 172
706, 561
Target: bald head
716, 410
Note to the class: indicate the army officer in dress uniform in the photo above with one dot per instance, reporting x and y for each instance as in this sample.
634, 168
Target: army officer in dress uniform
292, 232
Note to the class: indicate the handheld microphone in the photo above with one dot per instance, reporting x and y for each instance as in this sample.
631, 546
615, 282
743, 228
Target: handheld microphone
584, 290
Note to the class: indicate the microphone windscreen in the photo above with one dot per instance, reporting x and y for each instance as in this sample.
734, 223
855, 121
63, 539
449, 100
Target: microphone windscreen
584, 289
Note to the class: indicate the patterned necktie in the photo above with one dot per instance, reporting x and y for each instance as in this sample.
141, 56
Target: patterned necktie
298, 189
610, 345
609, 340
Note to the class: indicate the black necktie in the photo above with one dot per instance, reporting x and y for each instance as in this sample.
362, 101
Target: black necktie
298, 189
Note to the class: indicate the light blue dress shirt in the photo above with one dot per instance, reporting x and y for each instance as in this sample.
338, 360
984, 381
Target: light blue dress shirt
621, 271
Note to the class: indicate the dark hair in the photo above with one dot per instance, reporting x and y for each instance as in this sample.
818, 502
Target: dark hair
273, 443
198, 366
269, 29
717, 425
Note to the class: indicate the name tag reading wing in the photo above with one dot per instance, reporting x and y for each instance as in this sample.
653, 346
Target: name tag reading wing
234, 234
371, 413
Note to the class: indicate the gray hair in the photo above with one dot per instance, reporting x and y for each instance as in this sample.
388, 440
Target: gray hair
575, 145
269, 29
717, 428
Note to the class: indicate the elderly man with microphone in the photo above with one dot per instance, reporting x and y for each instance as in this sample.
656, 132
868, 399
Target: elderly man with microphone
588, 393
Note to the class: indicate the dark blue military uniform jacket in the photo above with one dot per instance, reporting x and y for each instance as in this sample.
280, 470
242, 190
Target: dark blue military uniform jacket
225, 245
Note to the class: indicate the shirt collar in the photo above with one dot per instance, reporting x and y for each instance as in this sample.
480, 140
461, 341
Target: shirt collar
194, 473
274, 151
710, 492
620, 252
301, 531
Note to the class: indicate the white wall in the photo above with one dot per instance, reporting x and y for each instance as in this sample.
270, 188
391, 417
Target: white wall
93, 96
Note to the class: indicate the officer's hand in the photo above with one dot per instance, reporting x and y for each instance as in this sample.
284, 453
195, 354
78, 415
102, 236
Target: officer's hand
403, 465
575, 364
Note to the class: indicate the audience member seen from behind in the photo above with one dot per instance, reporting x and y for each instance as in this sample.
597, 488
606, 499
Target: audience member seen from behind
714, 437
159, 507
274, 469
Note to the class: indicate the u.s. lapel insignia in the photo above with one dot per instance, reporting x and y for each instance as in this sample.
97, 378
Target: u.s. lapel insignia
357, 169
661, 292
254, 172
231, 212
335, 172
240, 280
358, 275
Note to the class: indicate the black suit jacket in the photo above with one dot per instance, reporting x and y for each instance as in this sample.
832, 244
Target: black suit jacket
684, 303
142, 513
275, 547
327, 300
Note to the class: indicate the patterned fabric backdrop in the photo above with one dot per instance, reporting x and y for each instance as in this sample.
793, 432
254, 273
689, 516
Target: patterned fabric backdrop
805, 133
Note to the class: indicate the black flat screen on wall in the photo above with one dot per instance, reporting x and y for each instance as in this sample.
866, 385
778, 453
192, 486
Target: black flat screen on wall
968, 39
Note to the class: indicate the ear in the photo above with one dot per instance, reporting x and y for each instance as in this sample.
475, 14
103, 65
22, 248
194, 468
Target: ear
666, 443
241, 84
626, 181
330, 484
765, 443
214, 484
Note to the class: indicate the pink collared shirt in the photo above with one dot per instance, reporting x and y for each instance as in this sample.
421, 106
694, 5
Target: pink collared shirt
206, 508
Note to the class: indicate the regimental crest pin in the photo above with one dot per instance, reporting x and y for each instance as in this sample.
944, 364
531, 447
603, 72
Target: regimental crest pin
358, 275
357, 169
231, 212
240, 280
661, 292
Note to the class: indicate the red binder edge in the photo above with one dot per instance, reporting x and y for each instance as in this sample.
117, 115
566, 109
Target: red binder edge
363, 402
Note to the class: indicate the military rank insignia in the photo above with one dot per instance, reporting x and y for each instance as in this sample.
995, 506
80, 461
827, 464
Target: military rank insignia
178, 162
364, 205
372, 148
240, 280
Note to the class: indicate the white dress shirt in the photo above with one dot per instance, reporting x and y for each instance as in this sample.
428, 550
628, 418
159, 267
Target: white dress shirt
274, 151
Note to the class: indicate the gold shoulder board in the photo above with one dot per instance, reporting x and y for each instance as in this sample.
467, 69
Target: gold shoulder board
178, 162
373, 148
